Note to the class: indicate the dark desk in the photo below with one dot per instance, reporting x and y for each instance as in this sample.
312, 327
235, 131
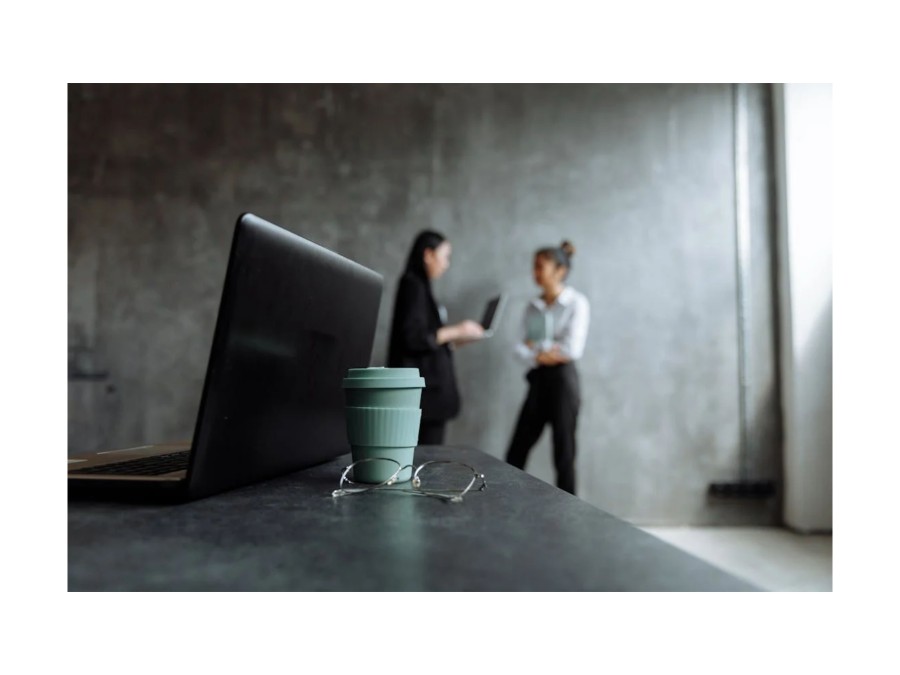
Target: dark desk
290, 534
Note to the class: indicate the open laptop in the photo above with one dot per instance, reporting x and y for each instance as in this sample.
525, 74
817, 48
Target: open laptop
293, 318
492, 311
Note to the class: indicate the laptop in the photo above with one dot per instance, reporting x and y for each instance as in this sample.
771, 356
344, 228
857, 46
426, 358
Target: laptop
293, 318
492, 311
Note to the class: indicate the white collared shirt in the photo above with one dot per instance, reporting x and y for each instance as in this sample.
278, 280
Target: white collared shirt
564, 324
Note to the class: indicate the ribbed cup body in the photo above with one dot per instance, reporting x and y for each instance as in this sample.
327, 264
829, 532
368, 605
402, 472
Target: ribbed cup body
383, 417
387, 427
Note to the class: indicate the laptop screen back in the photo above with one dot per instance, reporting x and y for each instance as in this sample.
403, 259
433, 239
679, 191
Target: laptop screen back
490, 313
293, 318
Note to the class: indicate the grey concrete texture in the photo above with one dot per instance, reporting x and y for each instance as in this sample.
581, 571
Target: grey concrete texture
639, 177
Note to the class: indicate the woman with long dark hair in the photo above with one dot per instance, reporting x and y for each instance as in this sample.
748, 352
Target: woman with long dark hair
421, 339
554, 333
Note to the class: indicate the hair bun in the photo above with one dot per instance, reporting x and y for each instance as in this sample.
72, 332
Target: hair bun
568, 248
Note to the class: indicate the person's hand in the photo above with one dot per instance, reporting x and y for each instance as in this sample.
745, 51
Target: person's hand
553, 357
460, 333
546, 359
468, 330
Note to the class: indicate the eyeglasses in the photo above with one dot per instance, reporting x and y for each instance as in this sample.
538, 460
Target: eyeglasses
440, 478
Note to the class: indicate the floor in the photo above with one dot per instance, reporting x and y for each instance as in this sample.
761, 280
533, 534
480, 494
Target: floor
774, 559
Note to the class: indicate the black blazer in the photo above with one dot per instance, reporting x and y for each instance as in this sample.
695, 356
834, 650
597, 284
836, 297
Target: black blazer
414, 345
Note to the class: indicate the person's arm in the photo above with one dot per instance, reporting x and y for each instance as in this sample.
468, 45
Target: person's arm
413, 305
524, 349
416, 337
570, 346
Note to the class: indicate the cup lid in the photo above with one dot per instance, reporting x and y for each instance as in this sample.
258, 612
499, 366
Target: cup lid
383, 378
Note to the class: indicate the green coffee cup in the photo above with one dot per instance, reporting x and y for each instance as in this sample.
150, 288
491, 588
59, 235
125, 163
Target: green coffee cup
383, 417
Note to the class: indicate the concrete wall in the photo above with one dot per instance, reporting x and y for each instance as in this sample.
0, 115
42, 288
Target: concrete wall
803, 126
640, 178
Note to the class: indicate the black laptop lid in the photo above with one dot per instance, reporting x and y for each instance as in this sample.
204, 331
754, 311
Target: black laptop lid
293, 318
490, 312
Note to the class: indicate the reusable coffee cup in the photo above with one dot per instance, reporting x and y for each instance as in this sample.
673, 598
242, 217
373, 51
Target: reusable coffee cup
383, 416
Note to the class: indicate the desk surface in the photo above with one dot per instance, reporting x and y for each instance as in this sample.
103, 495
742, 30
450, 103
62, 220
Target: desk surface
290, 534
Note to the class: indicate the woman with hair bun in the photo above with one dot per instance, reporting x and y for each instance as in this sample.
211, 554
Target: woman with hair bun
553, 334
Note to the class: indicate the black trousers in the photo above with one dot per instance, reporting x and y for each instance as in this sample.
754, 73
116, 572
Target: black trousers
431, 432
554, 396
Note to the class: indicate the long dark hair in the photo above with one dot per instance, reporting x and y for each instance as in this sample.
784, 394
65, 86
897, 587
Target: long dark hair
561, 255
426, 239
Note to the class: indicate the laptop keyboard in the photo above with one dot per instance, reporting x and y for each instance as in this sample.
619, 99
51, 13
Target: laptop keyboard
143, 466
